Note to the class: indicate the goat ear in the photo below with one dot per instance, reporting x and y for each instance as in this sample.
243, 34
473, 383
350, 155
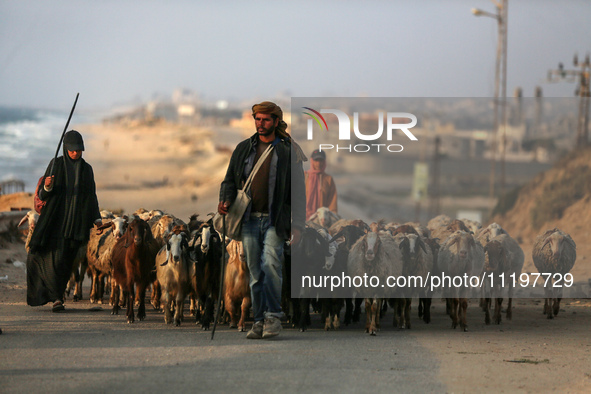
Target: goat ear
314, 216
128, 238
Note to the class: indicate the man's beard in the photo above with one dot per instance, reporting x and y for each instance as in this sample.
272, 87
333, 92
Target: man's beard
266, 132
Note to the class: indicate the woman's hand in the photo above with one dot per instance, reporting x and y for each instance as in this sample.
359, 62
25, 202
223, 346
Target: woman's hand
49, 182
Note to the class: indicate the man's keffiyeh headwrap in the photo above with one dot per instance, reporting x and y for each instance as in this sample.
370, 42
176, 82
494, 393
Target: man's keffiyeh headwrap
267, 107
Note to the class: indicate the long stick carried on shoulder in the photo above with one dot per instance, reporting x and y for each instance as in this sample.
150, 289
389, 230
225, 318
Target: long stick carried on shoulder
63, 133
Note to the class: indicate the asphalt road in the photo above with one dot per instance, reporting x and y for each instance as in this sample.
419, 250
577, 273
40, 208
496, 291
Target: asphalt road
89, 350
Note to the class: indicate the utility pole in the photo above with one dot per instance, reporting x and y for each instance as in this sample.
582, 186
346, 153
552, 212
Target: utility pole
435, 191
500, 81
582, 91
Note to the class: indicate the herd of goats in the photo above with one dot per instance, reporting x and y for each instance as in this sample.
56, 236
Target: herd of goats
180, 260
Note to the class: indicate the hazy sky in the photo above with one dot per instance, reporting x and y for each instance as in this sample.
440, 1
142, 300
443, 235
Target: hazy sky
115, 51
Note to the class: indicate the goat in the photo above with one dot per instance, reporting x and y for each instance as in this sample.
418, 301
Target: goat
31, 218
98, 255
374, 254
460, 255
417, 260
161, 227
174, 270
349, 235
237, 285
309, 256
133, 260
554, 252
331, 306
207, 254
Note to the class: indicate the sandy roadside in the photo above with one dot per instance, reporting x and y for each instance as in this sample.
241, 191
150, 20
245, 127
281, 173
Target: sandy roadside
174, 168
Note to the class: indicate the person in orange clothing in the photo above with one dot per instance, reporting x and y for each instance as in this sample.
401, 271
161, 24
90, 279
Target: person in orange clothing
321, 190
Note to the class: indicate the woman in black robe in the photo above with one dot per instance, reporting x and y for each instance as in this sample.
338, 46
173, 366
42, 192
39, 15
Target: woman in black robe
64, 224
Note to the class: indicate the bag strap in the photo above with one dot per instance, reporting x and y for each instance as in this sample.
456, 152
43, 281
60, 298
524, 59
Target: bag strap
256, 167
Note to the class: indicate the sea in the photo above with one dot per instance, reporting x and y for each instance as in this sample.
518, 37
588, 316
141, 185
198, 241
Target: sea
29, 139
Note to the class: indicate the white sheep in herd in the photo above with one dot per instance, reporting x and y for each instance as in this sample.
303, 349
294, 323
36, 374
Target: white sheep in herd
460, 254
554, 253
375, 254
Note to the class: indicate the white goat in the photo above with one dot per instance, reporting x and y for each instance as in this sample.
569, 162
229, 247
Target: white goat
324, 217
174, 270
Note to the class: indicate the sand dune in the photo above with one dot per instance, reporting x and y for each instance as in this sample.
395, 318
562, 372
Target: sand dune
171, 167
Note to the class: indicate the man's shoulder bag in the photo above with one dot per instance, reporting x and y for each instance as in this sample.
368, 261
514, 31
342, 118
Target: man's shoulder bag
237, 209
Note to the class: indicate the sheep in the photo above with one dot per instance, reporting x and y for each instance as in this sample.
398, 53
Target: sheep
107, 215
336, 227
484, 235
324, 217
31, 218
554, 253
403, 229
174, 270
473, 225
443, 232
438, 222
417, 260
460, 255
374, 254
514, 254
237, 286
496, 264
133, 260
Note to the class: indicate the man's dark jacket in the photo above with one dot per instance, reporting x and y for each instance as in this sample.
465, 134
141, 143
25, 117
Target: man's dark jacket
288, 194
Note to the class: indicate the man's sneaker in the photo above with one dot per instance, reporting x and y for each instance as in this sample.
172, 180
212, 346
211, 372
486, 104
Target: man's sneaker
272, 327
256, 332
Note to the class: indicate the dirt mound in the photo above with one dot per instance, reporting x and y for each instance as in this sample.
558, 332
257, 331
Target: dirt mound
559, 197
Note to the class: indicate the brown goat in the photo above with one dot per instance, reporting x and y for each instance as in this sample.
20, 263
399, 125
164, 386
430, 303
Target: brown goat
236, 285
133, 260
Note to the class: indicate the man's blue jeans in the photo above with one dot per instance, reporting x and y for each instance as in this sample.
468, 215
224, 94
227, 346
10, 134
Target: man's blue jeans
264, 257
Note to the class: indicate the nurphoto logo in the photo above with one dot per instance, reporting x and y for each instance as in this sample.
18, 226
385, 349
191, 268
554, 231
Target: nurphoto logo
393, 123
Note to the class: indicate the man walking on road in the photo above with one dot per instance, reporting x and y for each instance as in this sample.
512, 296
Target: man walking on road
272, 213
